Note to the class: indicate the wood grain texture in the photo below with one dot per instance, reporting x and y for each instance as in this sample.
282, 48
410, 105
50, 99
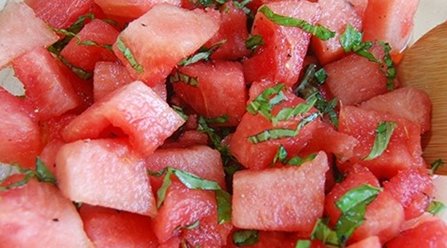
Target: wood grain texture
424, 66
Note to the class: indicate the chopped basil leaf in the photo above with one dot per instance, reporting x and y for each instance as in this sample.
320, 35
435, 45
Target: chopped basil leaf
390, 70
243, 6
94, 43
353, 207
191, 226
436, 207
436, 165
181, 77
254, 41
80, 23
321, 76
325, 234
43, 174
180, 112
127, 53
203, 54
318, 31
264, 103
300, 109
297, 161
272, 134
303, 244
245, 237
281, 155
216, 140
217, 120
383, 136
306, 120
192, 181
351, 41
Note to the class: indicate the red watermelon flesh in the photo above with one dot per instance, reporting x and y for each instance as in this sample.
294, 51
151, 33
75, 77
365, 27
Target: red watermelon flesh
403, 151
110, 228
370, 242
409, 103
335, 15
162, 37
257, 204
280, 59
105, 173
130, 9
220, 91
21, 31
137, 110
429, 234
37, 215
48, 83
20, 141
208, 234
359, 6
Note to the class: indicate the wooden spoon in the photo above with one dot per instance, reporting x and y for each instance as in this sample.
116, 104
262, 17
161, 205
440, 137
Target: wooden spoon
424, 66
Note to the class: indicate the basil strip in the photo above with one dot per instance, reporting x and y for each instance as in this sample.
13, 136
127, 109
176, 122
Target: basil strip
297, 161
436, 207
390, 70
191, 181
203, 54
288, 113
353, 207
303, 244
272, 134
245, 237
180, 112
217, 120
351, 41
321, 76
383, 135
127, 53
436, 165
181, 77
263, 105
43, 174
325, 234
254, 41
281, 155
318, 31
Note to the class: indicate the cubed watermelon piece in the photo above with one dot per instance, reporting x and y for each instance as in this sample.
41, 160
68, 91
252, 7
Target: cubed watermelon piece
413, 188
208, 234
105, 173
335, 15
187, 139
390, 21
403, 151
383, 216
38, 213
359, 6
220, 90
47, 83
182, 207
130, 9
353, 79
257, 203
110, 228
20, 142
409, 103
198, 160
21, 31
96, 34
280, 59
159, 39
429, 234
233, 29
137, 110
49, 153
371, 242
61, 13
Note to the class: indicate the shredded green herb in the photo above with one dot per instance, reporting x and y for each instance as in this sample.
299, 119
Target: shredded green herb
264, 103
127, 53
254, 41
384, 132
436, 207
245, 237
178, 76
436, 165
204, 53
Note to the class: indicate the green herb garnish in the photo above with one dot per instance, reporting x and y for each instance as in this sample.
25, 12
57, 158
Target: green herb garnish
254, 41
383, 135
204, 53
303, 244
324, 233
264, 103
245, 237
436, 165
300, 109
127, 53
436, 207
182, 77
318, 31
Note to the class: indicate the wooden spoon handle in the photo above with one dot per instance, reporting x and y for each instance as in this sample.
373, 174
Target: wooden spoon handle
424, 66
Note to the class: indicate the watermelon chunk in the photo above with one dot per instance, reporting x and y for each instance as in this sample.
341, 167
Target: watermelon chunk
109, 228
109, 76
353, 79
383, 216
257, 204
105, 173
413, 188
403, 151
390, 21
86, 56
233, 29
130, 9
61, 13
429, 234
359, 6
220, 90
20, 142
198, 160
409, 103
371, 242
281, 58
208, 234
21, 31
136, 110
335, 15
38, 212
163, 36
47, 83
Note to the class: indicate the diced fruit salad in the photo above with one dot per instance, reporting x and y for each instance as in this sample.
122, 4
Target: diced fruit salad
213, 123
